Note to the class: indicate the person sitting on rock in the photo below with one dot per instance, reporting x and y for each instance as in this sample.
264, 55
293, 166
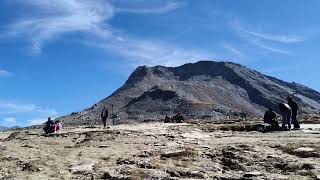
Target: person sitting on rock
167, 119
285, 111
270, 118
49, 126
178, 118
57, 126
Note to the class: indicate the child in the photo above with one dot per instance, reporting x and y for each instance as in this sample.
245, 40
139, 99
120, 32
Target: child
57, 126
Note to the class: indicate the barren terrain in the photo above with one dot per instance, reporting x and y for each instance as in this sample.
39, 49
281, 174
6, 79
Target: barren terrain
161, 151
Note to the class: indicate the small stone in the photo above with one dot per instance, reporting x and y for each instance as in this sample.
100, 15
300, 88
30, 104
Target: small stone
40, 169
104, 146
80, 168
304, 149
252, 174
178, 153
145, 164
106, 175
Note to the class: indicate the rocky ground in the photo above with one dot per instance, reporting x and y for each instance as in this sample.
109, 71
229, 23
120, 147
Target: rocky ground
161, 151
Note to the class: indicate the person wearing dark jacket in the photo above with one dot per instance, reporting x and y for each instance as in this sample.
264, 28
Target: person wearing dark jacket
294, 107
104, 116
49, 126
285, 111
269, 118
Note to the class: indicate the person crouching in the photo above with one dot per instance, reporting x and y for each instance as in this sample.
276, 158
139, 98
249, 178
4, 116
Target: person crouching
270, 118
285, 111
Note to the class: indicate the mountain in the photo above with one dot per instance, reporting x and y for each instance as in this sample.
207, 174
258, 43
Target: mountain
206, 89
3, 128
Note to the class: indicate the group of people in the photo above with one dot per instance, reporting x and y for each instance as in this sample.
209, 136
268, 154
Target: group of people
51, 126
288, 112
177, 118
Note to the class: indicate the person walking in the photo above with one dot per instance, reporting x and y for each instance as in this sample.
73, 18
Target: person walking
285, 111
104, 116
294, 107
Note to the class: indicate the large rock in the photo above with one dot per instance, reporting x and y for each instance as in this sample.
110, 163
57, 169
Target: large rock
306, 152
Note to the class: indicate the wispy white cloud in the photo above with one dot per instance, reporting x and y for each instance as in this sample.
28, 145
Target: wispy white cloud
260, 40
269, 48
233, 50
147, 52
10, 120
276, 38
16, 108
59, 17
36, 121
17, 114
171, 6
5, 73
92, 18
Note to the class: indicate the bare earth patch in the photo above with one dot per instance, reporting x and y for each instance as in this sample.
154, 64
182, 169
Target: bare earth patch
160, 151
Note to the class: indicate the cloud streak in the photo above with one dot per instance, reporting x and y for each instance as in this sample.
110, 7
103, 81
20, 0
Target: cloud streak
147, 52
36, 121
7, 108
264, 41
5, 73
171, 6
60, 17
233, 50
16, 114
275, 38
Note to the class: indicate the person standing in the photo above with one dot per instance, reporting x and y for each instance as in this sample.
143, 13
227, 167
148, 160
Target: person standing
294, 107
104, 116
286, 112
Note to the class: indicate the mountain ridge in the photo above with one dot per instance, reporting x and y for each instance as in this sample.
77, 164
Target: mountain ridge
209, 89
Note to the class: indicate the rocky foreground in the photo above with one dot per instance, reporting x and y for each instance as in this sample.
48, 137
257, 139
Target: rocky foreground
161, 151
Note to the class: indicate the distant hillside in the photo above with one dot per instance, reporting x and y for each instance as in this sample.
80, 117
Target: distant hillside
206, 89
2, 128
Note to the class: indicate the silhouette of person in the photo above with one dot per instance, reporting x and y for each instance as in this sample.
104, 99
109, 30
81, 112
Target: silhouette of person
286, 112
104, 116
49, 126
294, 107
269, 118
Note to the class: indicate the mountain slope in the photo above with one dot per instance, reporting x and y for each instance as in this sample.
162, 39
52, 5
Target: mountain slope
205, 89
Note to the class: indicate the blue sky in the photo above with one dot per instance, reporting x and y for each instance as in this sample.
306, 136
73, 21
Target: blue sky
60, 56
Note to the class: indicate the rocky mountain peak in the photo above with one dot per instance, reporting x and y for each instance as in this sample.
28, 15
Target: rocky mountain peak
205, 89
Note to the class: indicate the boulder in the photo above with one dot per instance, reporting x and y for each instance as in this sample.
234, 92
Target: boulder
306, 152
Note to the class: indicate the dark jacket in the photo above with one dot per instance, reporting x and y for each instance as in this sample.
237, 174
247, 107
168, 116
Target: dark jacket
269, 116
294, 107
104, 113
